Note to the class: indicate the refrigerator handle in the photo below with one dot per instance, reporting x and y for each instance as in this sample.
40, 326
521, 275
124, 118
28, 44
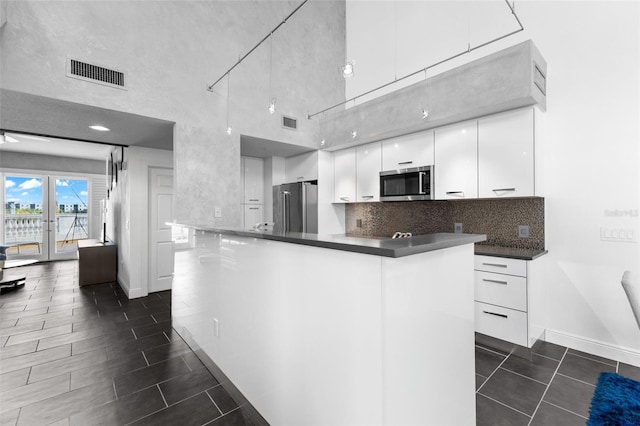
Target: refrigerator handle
285, 211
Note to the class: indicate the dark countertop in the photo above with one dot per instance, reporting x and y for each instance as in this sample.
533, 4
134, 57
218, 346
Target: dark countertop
509, 252
386, 247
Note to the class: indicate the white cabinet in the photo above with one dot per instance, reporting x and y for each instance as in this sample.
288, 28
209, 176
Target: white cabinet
252, 214
414, 150
344, 164
506, 154
253, 180
302, 167
456, 161
505, 295
368, 166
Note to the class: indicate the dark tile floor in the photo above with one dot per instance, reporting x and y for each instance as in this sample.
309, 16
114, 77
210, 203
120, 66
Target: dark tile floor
85, 356
547, 385
73, 355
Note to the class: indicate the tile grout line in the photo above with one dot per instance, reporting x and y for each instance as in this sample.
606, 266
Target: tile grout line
577, 380
548, 386
523, 376
591, 359
166, 405
492, 373
564, 409
507, 406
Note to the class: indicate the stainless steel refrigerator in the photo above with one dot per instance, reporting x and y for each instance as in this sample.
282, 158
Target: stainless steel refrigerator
295, 207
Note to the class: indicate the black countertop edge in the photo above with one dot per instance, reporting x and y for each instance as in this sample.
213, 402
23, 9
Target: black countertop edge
385, 247
509, 252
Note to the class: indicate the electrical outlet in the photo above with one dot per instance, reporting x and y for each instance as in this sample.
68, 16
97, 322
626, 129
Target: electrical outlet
523, 231
359, 223
217, 212
619, 235
457, 228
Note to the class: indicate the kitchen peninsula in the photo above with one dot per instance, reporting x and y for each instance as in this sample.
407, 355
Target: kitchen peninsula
329, 329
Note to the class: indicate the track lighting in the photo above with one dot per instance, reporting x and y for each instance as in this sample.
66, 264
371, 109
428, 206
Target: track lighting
354, 134
229, 130
272, 106
425, 113
322, 142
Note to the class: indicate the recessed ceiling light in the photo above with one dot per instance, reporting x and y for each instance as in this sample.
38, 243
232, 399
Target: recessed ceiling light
100, 128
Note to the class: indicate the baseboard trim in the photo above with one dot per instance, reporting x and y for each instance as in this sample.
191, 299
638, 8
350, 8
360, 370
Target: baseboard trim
131, 293
606, 350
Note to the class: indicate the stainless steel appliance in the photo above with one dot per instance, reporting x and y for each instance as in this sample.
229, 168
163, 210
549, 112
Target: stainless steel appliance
415, 183
295, 207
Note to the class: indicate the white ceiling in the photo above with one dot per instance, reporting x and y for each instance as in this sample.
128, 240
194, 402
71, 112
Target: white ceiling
55, 146
62, 120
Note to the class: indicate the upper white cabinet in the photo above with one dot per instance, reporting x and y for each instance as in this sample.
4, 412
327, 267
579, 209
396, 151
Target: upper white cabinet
253, 180
414, 150
456, 156
506, 155
368, 166
303, 167
344, 163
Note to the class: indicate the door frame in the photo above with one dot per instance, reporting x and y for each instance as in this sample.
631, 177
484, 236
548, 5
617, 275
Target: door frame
153, 215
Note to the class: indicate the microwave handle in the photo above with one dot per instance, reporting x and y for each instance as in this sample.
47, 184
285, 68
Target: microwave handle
421, 176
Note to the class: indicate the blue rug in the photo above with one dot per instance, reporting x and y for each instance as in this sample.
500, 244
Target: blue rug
616, 402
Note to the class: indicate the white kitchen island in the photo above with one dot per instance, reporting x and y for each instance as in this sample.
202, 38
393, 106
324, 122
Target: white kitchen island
332, 330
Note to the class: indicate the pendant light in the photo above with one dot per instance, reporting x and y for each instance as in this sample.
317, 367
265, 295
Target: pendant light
229, 129
272, 101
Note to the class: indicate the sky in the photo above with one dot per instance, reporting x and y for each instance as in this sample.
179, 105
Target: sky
29, 190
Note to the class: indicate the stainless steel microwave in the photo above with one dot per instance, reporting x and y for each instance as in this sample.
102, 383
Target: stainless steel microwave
411, 184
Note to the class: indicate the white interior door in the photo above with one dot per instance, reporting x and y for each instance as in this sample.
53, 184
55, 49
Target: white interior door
161, 245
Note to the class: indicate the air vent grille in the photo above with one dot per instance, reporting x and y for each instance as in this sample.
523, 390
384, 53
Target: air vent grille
289, 123
96, 74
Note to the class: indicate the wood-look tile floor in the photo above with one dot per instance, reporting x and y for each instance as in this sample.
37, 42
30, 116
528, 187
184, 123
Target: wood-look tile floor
548, 386
73, 355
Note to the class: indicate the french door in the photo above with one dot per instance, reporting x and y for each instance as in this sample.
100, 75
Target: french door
45, 215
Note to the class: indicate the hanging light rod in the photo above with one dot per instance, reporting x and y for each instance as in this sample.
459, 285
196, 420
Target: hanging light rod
469, 50
284, 21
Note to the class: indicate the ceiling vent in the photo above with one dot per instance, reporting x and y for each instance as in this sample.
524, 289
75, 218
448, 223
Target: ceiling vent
96, 74
289, 123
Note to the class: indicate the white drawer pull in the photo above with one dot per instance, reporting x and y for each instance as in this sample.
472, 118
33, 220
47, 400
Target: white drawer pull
499, 265
495, 281
367, 197
344, 198
498, 315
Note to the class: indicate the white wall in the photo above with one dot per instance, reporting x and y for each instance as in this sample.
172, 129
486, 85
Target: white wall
591, 150
129, 206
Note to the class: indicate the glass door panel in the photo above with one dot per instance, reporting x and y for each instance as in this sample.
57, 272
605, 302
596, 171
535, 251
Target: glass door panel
25, 222
69, 215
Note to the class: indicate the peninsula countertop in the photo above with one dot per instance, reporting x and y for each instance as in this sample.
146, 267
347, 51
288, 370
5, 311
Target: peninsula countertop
386, 247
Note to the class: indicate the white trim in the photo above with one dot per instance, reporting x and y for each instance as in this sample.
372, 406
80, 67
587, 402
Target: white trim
131, 293
595, 347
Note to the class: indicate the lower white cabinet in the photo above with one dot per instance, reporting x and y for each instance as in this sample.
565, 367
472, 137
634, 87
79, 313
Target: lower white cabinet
253, 213
502, 299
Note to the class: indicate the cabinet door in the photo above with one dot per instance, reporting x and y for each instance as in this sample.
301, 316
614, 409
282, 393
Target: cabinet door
505, 155
414, 150
344, 164
368, 166
253, 170
252, 215
303, 167
456, 169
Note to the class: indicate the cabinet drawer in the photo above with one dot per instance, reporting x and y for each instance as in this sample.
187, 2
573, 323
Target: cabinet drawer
501, 265
500, 289
502, 323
